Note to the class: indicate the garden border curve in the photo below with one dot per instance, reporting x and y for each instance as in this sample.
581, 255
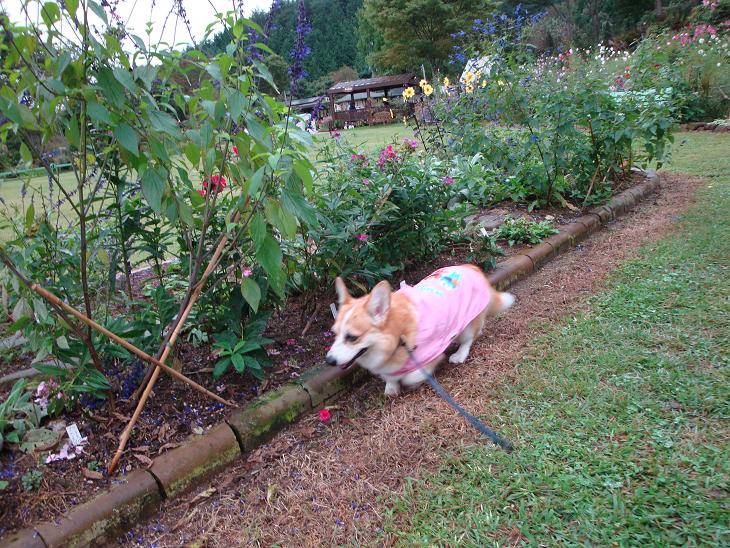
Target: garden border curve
101, 519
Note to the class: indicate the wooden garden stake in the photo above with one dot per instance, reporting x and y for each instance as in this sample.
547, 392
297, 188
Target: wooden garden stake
58, 303
124, 438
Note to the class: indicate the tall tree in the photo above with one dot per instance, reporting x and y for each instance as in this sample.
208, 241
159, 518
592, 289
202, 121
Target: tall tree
416, 32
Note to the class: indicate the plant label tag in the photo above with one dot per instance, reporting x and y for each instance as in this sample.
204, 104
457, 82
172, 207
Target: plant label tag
483, 231
333, 309
73, 434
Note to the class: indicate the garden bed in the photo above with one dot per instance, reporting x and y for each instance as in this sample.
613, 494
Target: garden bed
176, 411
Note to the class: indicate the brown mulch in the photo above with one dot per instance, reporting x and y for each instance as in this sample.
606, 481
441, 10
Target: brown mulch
329, 483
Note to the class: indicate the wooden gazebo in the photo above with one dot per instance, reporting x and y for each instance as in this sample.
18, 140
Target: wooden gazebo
370, 100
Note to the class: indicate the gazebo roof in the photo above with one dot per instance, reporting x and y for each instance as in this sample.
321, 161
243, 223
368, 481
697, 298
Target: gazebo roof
381, 82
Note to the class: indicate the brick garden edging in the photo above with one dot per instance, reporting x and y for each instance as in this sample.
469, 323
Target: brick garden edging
101, 519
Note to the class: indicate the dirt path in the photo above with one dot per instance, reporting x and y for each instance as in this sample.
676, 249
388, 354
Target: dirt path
329, 483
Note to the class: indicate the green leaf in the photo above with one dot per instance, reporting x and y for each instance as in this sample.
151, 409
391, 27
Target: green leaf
303, 169
186, 214
25, 153
29, 218
72, 6
256, 181
220, 367
112, 89
50, 13
98, 113
161, 121
270, 258
153, 187
127, 138
235, 104
280, 218
125, 78
238, 363
192, 153
251, 292
72, 132
258, 230
38, 438
99, 11
294, 202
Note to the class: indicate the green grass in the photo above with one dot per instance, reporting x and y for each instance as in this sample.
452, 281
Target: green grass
621, 419
370, 137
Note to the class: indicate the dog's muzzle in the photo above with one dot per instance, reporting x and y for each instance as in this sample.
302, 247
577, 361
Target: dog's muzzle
333, 362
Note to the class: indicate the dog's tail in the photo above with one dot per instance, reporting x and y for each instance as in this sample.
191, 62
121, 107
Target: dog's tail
503, 301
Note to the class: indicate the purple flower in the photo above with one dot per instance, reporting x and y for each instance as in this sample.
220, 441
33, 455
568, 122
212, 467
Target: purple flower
534, 138
448, 180
361, 237
366, 181
300, 49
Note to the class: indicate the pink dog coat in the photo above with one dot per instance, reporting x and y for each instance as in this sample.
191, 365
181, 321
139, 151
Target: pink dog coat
446, 301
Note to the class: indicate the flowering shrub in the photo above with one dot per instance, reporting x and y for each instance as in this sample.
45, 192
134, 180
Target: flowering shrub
376, 214
574, 131
211, 174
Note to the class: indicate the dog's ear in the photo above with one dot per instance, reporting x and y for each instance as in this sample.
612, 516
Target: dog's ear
342, 294
379, 302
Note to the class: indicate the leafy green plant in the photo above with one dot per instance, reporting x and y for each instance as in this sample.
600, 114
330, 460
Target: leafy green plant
20, 420
208, 171
484, 250
245, 352
524, 231
32, 479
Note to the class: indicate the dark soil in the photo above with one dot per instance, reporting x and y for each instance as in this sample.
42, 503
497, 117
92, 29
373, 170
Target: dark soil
175, 411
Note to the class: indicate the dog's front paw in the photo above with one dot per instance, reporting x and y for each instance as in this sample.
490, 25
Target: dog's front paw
457, 357
392, 389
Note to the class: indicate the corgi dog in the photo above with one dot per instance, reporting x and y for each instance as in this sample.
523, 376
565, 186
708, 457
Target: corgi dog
449, 305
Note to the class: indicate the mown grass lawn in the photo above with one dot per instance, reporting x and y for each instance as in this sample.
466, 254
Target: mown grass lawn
621, 425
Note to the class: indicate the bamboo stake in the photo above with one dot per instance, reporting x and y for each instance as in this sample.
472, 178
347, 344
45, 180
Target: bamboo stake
129, 346
124, 438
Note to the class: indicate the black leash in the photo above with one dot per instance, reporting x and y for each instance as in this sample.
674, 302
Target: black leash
475, 422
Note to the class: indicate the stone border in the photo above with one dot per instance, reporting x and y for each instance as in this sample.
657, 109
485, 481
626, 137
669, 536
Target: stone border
100, 520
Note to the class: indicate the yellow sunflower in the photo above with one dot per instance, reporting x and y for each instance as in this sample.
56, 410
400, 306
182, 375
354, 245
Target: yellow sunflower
423, 83
469, 88
427, 90
408, 92
447, 82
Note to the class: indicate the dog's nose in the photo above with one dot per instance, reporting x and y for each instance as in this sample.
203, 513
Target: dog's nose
330, 360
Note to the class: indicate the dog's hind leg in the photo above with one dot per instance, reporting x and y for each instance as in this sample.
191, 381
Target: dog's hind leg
466, 339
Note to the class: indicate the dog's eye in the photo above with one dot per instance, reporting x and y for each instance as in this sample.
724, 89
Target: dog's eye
351, 338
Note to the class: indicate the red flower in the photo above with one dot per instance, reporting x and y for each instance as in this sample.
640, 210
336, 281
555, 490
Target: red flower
324, 414
235, 150
657, 65
217, 183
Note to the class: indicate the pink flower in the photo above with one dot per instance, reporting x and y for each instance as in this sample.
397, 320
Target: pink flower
291, 342
412, 143
366, 181
361, 237
336, 134
246, 272
201, 192
324, 415
448, 180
